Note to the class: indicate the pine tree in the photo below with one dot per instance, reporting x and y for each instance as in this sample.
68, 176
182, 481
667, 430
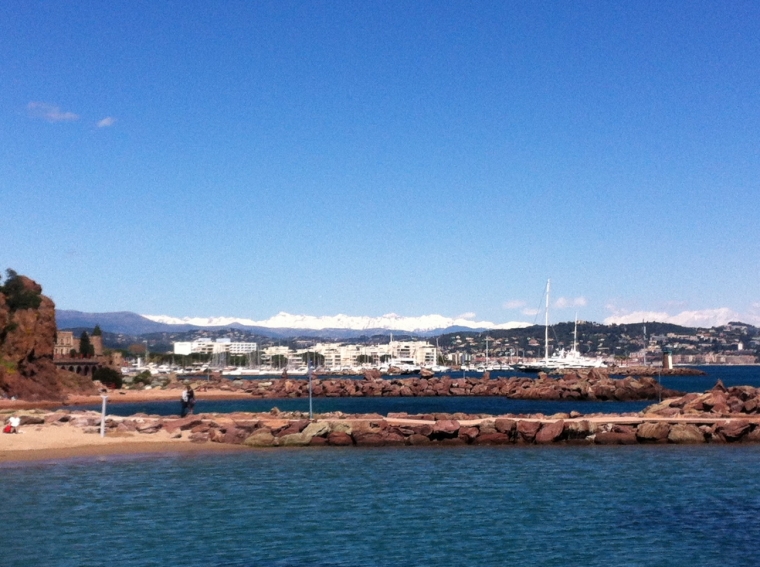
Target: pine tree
85, 346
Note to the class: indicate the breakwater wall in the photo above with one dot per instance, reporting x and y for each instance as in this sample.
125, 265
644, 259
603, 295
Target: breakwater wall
399, 430
589, 386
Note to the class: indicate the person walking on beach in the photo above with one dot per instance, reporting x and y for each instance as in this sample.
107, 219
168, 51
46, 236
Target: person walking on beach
188, 401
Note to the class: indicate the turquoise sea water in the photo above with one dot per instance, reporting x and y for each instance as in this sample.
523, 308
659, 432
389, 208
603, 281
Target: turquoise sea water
329, 507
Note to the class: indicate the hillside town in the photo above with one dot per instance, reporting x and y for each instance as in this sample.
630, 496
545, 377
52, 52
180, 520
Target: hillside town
233, 349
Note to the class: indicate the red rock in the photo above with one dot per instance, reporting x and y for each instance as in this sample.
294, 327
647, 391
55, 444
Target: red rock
492, 439
260, 438
753, 436
391, 438
418, 439
550, 432
199, 437
368, 439
615, 438
503, 425
182, 424
468, 433
731, 431
339, 439
318, 441
527, 430
451, 441
234, 436
653, 432
148, 428
293, 427
445, 429
577, 430
685, 433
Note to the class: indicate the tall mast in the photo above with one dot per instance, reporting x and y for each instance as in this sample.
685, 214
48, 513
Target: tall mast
575, 333
645, 344
546, 324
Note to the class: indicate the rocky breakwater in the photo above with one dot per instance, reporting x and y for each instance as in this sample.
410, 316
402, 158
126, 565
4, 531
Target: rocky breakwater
592, 385
293, 429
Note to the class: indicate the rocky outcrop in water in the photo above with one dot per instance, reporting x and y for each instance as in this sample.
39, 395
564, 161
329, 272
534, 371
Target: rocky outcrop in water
720, 401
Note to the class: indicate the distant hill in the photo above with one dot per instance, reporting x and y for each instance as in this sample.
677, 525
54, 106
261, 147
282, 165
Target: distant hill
130, 323
116, 322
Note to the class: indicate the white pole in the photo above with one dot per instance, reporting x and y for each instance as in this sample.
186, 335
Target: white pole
103, 416
311, 413
546, 325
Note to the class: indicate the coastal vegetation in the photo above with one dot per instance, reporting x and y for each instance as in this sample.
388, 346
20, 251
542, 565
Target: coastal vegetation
17, 295
85, 346
108, 377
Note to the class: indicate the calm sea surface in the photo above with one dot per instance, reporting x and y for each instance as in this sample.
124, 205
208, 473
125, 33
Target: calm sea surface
329, 507
731, 376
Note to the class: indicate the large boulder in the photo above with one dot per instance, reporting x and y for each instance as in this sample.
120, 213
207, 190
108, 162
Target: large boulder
502, 425
550, 432
339, 439
730, 431
650, 432
367, 439
293, 440
445, 429
260, 438
685, 433
618, 436
317, 429
418, 439
495, 438
340, 427
527, 430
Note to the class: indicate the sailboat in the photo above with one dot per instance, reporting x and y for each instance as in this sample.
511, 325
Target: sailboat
563, 360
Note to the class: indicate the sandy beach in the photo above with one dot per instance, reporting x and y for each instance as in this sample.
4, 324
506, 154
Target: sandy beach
60, 441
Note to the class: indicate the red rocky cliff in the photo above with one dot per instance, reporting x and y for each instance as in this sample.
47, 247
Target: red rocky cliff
27, 338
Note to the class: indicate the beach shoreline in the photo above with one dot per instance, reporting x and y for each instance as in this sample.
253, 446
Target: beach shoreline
119, 397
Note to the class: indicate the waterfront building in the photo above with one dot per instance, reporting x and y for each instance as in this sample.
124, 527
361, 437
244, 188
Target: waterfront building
210, 346
64, 344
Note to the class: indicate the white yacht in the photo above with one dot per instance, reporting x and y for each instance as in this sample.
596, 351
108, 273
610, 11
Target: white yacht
405, 365
562, 360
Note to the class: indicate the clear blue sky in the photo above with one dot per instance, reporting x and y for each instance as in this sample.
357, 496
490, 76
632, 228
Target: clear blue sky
244, 158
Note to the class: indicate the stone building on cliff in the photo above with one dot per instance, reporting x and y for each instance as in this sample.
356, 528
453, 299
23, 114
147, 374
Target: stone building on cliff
65, 342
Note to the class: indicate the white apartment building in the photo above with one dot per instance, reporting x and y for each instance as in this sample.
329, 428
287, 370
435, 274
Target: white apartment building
210, 346
338, 355
421, 351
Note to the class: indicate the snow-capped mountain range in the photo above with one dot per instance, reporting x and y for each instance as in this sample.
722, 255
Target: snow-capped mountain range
391, 321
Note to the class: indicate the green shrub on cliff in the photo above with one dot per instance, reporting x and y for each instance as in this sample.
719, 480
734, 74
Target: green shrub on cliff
18, 296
